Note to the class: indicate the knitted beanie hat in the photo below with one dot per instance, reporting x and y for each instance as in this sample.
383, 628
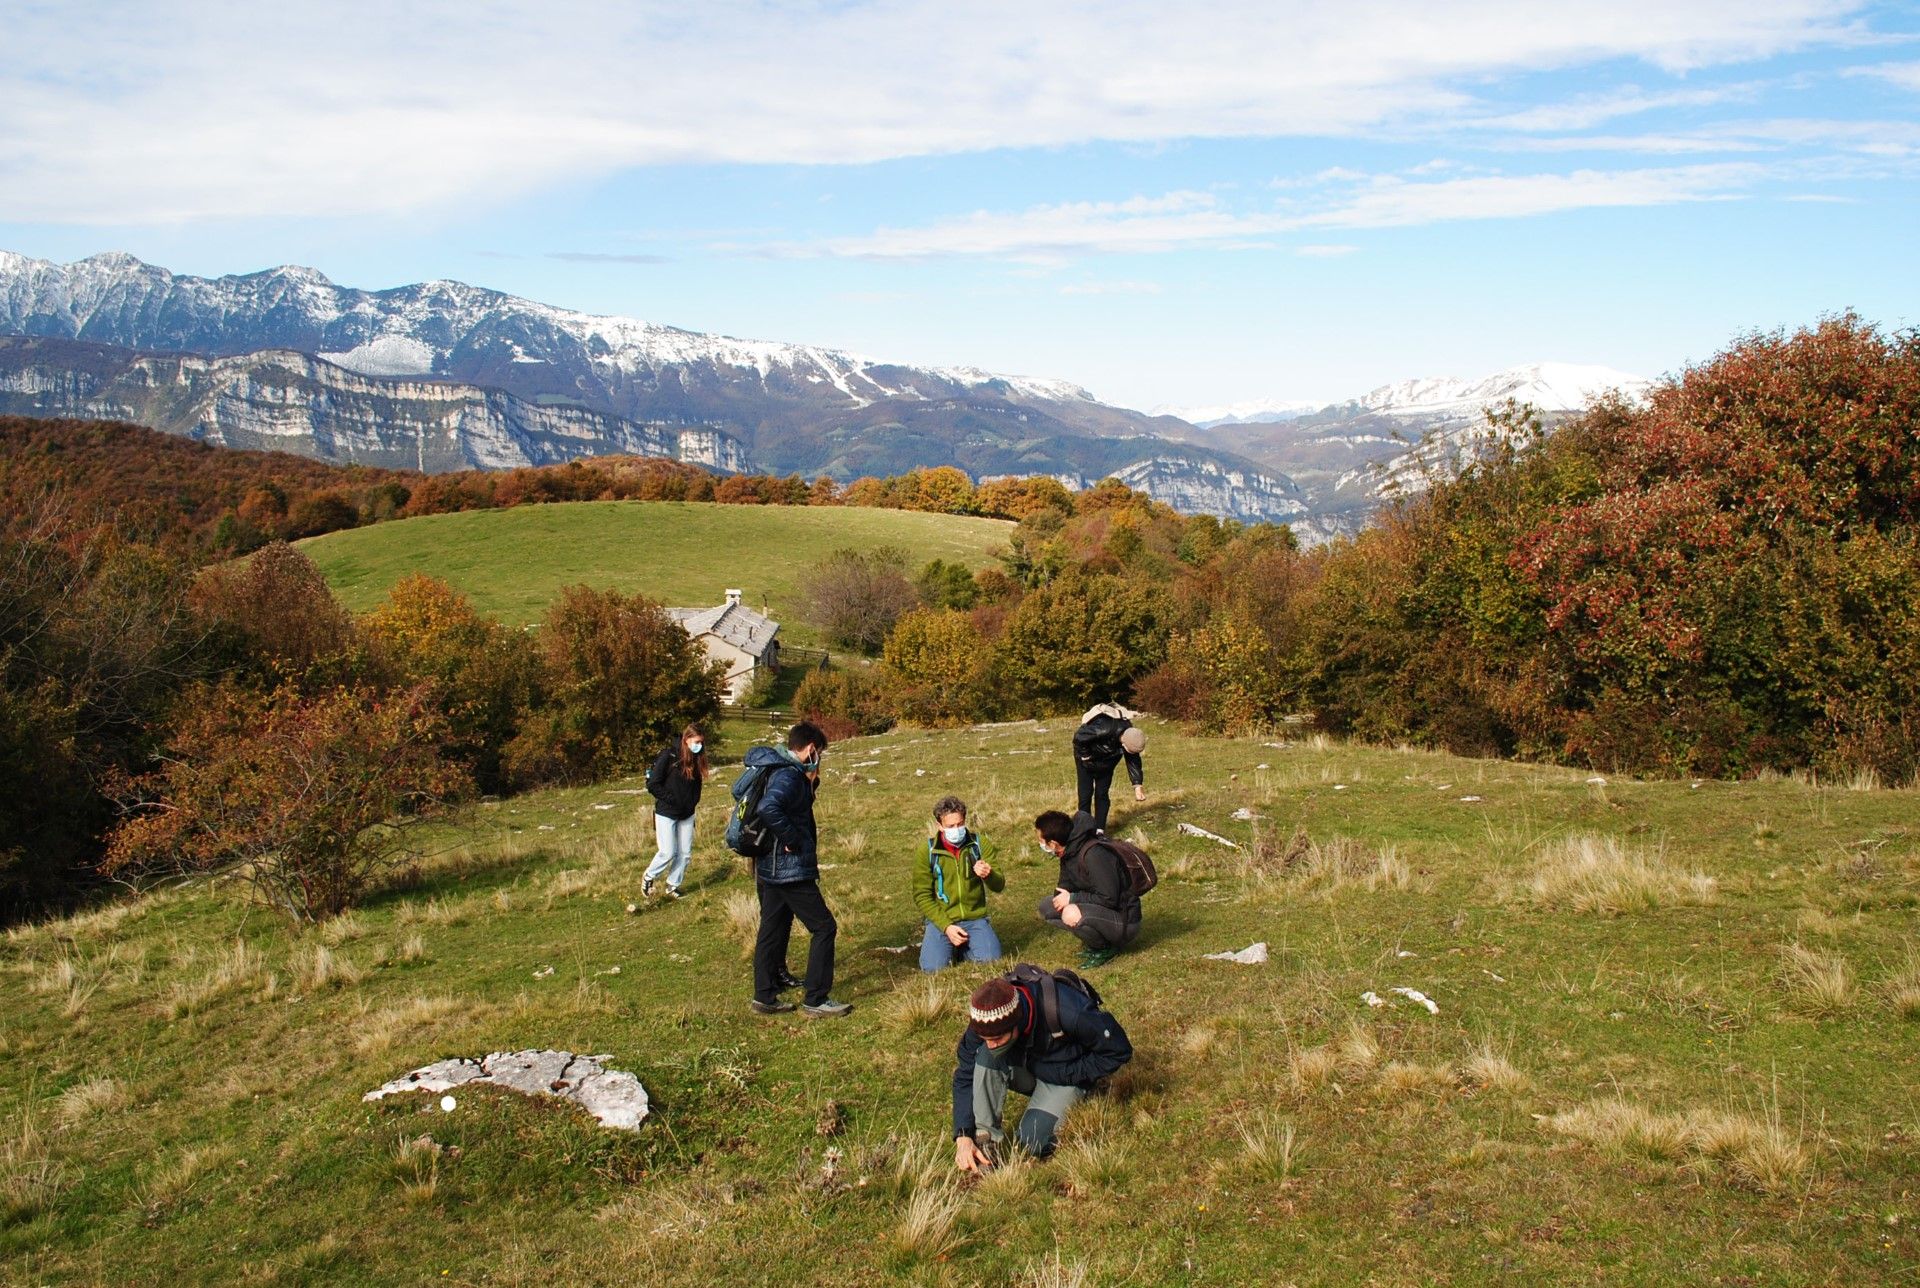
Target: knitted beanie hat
1133, 740
994, 1009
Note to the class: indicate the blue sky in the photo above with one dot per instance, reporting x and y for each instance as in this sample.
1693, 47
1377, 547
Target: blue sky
1181, 205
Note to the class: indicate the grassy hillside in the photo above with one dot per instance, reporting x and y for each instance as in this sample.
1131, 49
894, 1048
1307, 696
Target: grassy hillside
1693, 1061
510, 562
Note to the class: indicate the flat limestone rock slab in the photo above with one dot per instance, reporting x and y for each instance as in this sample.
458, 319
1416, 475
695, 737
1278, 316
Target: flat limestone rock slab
616, 1099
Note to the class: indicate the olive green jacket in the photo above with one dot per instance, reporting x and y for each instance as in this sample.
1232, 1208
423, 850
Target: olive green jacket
944, 885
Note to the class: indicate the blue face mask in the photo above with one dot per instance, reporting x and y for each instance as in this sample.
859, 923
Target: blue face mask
695, 748
954, 835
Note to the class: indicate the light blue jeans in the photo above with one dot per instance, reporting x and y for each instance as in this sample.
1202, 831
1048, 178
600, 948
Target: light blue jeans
937, 951
676, 847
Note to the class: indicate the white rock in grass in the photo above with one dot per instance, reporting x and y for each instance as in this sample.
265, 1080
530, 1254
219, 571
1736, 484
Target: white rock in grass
1252, 955
1596, 781
1415, 995
1468, 800
1190, 830
1246, 815
1373, 999
615, 1098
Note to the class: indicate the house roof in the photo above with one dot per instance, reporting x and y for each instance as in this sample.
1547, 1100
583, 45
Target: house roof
738, 625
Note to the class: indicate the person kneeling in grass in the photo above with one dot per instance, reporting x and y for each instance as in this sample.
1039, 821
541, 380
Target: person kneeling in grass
1094, 900
1014, 1041
950, 885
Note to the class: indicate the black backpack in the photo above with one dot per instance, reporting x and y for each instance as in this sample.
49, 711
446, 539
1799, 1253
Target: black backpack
746, 835
1134, 862
1046, 986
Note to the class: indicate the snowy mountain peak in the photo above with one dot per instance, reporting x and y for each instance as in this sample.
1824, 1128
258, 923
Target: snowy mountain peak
1254, 411
1548, 386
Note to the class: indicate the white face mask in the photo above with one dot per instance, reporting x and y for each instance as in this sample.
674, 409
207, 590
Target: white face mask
954, 835
695, 748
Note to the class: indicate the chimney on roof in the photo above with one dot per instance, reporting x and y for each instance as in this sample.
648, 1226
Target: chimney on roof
733, 598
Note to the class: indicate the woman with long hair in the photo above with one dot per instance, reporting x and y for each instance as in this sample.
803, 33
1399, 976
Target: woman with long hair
675, 781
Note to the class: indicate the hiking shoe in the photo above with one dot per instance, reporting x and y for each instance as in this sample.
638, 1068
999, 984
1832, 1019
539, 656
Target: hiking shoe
1097, 957
824, 1010
787, 979
646, 888
759, 1007
673, 892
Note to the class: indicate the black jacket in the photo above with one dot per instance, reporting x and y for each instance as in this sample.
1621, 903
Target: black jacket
1091, 1045
674, 794
786, 808
1096, 744
1092, 872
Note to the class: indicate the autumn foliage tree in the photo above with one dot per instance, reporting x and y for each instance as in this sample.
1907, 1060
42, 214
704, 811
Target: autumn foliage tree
853, 597
623, 679
309, 797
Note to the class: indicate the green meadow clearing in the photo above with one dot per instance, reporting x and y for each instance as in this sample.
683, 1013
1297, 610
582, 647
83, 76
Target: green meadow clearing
511, 562
1675, 1043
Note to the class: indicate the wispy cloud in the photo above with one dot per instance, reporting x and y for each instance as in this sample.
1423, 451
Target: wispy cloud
1324, 250
1111, 288
224, 109
604, 257
1905, 75
1179, 221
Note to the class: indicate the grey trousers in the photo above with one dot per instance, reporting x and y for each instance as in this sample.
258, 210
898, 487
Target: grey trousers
1047, 1103
1100, 926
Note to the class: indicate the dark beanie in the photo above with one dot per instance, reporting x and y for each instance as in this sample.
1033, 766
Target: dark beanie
994, 1009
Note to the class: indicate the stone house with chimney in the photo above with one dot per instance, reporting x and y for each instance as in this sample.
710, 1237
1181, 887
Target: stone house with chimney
744, 641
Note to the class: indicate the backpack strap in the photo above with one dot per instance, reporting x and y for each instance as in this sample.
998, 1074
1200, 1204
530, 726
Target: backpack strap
933, 861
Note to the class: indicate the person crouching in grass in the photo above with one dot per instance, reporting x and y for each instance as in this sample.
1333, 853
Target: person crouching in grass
950, 884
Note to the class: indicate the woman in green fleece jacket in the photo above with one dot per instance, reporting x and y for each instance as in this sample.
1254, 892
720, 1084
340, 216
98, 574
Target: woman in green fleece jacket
950, 884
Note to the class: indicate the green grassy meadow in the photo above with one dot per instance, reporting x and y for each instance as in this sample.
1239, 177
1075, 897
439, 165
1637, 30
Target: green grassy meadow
1675, 1043
511, 562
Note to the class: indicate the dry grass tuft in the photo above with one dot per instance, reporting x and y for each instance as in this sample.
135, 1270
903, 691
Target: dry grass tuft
918, 1006
568, 882
1089, 1165
1266, 1146
168, 1184
318, 967
1301, 864
237, 969
1357, 1050
1311, 1067
1199, 1041
413, 950
343, 929
1758, 1153
742, 910
1821, 982
416, 1165
30, 1179
1405, 1078
1488, 1066
1011, 1182
853, 844
1601, 874
1902, 989
84, 1100
376, 1031
926, 1229
1053, 1272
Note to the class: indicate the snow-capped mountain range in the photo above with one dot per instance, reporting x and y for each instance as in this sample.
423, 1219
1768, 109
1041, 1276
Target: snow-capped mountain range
444, 375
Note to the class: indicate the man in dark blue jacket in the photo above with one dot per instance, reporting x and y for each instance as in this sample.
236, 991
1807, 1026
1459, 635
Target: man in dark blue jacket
1008, 1045
788, 876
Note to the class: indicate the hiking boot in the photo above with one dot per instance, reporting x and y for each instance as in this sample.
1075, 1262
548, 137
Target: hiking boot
823, 1010
1097, 957
786, 979
646, 888
759, 1007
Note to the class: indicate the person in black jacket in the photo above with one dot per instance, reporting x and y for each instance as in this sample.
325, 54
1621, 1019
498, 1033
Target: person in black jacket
1106, 736
1008, 1045
1094, 899
788, 876
675, 782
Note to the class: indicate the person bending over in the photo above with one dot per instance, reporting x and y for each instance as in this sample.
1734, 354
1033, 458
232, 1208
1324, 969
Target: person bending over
1106, 736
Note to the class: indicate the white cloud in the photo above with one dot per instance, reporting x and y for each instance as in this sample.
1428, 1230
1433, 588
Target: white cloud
1324, 250
1586, 112
1179, 221
1111, 288
1905, 75
224, 108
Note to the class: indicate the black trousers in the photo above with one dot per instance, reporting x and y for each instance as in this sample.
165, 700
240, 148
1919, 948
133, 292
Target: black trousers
1094, 787
779, 905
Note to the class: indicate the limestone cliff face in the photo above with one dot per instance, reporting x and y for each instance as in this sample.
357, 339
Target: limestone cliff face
279, 400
